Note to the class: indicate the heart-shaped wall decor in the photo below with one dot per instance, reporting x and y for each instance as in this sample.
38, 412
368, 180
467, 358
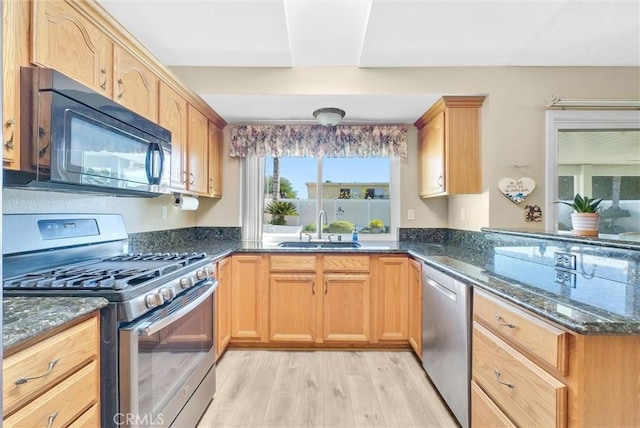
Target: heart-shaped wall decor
517, 190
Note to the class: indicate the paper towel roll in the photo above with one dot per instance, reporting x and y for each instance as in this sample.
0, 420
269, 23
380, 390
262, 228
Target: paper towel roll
185, 203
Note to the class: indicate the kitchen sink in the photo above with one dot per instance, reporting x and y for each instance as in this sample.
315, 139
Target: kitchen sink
319, 244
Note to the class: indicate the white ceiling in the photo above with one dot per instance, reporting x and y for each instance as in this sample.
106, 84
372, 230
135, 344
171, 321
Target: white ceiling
376, 33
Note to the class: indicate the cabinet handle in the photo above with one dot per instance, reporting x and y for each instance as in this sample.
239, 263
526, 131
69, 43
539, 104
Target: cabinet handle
9, 144
440, 181
51, 419
502, 322
120, 84
193, 178
184, 176
497, 373
103, 85
313, 288
26, 379
326, 287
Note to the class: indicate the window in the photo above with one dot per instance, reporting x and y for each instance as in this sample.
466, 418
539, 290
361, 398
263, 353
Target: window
355, 193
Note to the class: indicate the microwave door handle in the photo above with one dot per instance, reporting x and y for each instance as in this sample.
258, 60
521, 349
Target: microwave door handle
154, 163
148, 329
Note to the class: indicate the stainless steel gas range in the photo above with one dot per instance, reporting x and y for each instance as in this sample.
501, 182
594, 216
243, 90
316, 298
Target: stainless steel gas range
157, 332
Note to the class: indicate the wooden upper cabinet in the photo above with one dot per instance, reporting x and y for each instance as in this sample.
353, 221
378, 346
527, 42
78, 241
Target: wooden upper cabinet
173, 116
449, 147
64, 39
135, 86
215, 161
197, 151
15, 53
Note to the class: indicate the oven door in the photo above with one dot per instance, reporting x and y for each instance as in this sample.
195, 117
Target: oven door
167, 361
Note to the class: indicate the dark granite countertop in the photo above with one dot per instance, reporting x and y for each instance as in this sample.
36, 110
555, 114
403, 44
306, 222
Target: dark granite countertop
616, 310
26, 317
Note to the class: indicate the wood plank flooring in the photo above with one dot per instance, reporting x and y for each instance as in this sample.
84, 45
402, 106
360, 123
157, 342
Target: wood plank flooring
259, 388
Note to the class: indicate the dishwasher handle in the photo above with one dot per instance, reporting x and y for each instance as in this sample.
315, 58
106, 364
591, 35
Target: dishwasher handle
451, 294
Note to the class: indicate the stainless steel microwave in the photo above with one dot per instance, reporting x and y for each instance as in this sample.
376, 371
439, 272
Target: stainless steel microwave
75, 139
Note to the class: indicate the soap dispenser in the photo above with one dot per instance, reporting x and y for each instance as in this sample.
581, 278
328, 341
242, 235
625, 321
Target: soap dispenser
354, 234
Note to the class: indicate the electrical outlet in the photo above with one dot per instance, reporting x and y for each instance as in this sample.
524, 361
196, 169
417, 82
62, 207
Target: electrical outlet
411, 214
163, 212
463, 214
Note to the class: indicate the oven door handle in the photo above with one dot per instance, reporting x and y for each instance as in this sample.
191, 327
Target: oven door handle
147, 328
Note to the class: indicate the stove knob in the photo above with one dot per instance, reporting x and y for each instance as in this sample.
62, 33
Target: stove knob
167, 293
185, 282
202, 274
153, 300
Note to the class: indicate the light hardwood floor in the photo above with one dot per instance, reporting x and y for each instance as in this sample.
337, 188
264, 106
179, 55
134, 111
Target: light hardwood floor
259, 388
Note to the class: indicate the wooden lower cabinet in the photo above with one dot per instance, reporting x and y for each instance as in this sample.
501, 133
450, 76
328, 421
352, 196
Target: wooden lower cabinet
249, 299
392, 299
415, 306
347, 307
69, 390
292, 307
223, 306
535, 373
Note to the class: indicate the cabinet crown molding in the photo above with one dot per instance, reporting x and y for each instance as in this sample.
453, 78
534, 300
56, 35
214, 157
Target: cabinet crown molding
449, 101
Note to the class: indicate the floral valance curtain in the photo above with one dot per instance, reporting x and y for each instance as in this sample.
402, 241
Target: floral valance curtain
319, 141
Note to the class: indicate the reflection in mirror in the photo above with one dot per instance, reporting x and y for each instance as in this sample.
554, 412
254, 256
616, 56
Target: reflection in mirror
596, 154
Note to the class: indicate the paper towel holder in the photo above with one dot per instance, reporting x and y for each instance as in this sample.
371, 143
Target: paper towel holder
185, 202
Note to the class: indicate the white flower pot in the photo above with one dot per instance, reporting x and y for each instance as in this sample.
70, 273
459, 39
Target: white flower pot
585, 224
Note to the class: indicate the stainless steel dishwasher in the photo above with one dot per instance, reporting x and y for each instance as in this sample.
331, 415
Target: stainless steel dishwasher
446, 339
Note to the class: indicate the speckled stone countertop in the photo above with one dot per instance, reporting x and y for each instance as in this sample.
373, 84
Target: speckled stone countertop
605, 308
26, 317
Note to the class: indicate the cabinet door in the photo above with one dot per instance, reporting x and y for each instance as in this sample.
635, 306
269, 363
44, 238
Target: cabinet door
392, 294
415, 306
249, 306
223, 306
292, 307
15, 50
215, 161
347, 307
67, 41
432, 157
197, 151
136, 87
173, 116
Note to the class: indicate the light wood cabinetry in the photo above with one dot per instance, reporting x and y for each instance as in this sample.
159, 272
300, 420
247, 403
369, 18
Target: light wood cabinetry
65, 39
347, 307
249, 299
215, 161
485, 412
56, 379
223, 306
15, 53
449, 147
415, 306
173, 116
392, 299
197, 151
534, 373
135, 86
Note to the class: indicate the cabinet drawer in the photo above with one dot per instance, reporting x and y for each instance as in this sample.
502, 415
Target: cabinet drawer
71, 348
484, 412
66, 401
345, 263
526, 393
89, 419
543, 340
292, 263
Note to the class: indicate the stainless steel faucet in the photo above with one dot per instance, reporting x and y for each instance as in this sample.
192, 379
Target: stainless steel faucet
321, 215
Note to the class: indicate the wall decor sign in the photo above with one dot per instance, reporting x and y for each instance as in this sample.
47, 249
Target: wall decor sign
532, 213
517, 190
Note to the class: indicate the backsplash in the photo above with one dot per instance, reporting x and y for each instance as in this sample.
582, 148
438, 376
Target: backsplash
463, 238
162, 239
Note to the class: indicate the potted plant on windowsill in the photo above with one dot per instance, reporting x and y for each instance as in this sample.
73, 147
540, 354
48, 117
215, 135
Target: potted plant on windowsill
585, 215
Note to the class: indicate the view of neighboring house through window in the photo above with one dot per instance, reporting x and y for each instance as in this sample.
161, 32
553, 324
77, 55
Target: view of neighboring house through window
355, 194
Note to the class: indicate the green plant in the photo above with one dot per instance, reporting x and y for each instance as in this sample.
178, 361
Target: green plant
280, 209
582, 204
341, 227
377, 223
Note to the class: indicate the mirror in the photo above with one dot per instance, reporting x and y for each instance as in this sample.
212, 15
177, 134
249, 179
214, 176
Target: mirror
595, 153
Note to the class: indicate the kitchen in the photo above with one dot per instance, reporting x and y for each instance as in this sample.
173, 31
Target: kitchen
516, 96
